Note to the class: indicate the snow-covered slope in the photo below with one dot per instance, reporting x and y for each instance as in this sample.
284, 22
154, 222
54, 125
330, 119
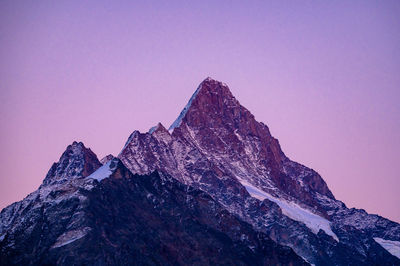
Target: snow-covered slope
392, 246
101, 173
294, 211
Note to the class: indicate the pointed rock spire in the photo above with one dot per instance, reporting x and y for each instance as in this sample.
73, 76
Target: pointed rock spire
160, 133
76, 162
156, 128
213, 106
209, 96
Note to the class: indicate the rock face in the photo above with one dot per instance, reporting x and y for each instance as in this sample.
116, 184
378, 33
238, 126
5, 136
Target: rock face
216, 188
76, 162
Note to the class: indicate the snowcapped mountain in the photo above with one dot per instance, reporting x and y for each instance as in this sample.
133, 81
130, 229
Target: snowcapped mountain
215, 188
216, 145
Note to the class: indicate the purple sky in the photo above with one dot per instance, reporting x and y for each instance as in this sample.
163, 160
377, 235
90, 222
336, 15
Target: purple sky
323, 76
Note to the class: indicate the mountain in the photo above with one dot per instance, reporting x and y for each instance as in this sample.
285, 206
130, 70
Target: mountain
215, 188
216, 145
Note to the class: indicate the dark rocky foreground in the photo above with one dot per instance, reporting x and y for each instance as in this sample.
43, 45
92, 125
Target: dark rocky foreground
129, 219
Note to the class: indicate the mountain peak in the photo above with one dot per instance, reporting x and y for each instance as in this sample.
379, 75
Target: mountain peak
76, 161
213, 86
158, 127
220, 124
209, 96
212, 81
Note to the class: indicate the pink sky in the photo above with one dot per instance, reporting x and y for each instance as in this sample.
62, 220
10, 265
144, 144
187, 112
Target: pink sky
323, 76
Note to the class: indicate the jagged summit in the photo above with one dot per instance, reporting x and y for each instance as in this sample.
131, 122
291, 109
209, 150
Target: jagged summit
157, 128
210, 80
77, 161
214, 121
210, 92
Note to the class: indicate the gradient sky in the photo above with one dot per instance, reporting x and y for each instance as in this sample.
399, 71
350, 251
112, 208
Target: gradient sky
324, 76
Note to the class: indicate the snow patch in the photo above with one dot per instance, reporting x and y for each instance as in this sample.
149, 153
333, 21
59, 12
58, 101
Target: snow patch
307, 261
178, 121
70, 237
313, 221
103, 172
393, 247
